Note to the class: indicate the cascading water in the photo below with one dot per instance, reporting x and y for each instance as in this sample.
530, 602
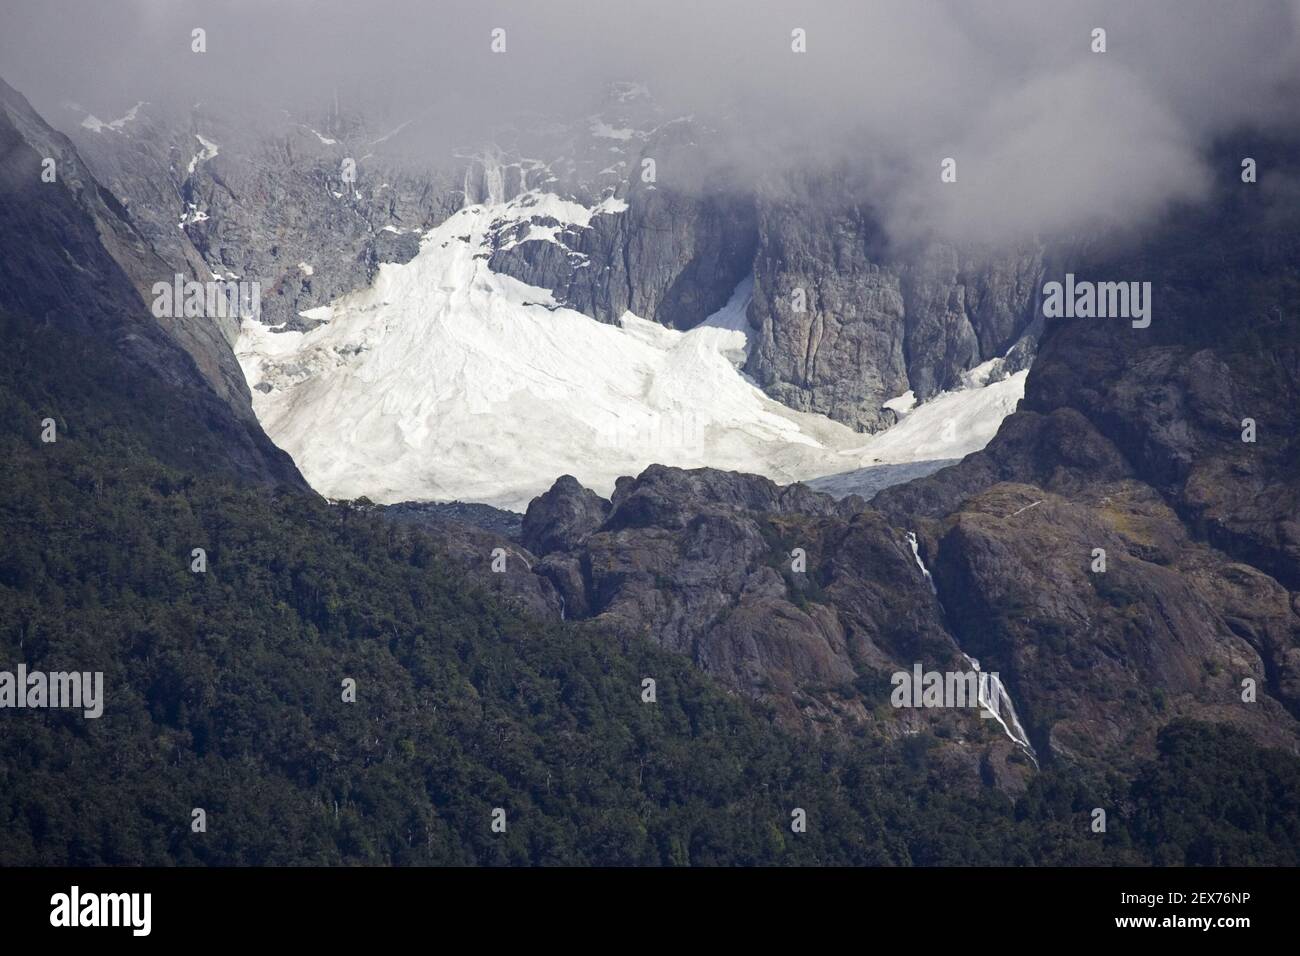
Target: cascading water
916, 553
997, 704
490, 188
993, 695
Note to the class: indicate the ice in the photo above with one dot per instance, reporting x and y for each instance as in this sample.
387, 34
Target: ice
445, 380
92, 122
930, 436
209, 151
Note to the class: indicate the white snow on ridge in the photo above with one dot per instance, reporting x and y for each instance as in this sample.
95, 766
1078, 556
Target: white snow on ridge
950, 425
209, 151
603, 130
928, 437
92, 122
445, 380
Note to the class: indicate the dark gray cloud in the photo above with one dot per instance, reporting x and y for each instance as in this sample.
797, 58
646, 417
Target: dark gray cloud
1048, 136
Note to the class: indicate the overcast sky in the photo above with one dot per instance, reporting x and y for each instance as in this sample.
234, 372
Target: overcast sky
1048, 135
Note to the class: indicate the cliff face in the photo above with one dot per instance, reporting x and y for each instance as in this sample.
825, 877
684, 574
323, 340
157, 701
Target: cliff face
680, 229
75, 269
1129, 441
1123, 553
841, 322
845, 322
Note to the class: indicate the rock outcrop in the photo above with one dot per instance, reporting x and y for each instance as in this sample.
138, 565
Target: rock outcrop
845, 322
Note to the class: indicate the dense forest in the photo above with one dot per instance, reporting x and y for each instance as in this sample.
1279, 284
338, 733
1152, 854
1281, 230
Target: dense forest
224, 692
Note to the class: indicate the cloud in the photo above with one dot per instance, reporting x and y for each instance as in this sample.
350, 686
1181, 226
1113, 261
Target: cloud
1048, 136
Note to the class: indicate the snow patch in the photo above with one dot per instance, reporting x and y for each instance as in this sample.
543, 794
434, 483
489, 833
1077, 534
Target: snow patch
209, 151
603, 130
901, 404
93, 122
948, 427
445, 380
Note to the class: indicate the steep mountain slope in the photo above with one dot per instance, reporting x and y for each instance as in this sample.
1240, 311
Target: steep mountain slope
1130, 442
448, 380
625, 209
1136, 441
223, 693
222, 688
847, 320
75, 275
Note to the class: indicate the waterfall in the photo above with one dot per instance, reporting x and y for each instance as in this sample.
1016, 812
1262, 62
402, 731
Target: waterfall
997, 703
916, 553
492, 182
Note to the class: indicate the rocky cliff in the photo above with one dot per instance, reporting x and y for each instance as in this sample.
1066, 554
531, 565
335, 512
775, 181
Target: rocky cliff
681, 228
94, 293
1123, 554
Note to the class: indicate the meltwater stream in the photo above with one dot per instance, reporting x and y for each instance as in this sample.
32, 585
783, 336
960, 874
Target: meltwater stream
995, 704
999, 704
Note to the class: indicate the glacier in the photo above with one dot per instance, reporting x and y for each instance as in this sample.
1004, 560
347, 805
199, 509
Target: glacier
444, 380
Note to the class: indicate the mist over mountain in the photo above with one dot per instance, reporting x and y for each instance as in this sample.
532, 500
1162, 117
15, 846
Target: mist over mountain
1049, 136
659, 346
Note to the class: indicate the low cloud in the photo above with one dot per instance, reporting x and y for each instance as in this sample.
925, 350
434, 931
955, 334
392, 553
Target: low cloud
1048, 136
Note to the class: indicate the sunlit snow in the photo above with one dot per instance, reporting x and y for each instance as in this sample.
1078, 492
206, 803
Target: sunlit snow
445, 380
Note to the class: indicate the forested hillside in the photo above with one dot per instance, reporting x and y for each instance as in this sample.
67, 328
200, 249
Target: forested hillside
224, 692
